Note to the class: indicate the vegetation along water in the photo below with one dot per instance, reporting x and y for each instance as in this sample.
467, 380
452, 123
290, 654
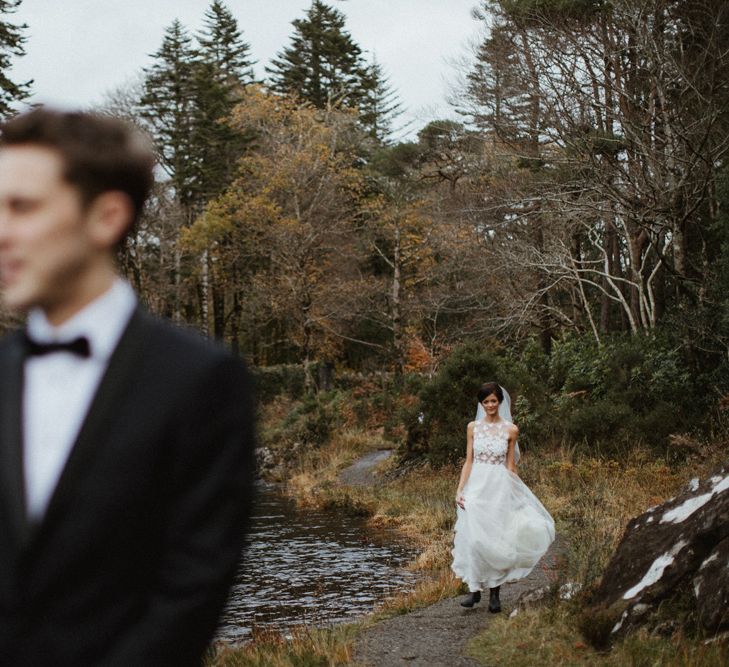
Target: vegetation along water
563, 233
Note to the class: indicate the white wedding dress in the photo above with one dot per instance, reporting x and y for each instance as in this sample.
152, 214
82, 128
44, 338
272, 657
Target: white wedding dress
504, 530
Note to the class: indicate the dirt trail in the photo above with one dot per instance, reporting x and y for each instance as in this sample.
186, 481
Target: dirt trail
435, 636
361, 472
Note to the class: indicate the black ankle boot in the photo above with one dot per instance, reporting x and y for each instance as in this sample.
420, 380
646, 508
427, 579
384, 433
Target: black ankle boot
494, 602
472, 599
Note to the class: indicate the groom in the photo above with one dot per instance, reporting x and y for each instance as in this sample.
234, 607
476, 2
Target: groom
125, 442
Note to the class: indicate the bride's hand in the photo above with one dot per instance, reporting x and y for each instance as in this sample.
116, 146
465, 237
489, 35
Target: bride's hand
460, 501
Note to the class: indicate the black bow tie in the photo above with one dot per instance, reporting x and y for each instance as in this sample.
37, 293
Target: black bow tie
78, 346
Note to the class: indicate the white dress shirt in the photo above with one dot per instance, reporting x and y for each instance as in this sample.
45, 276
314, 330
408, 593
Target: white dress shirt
59, 387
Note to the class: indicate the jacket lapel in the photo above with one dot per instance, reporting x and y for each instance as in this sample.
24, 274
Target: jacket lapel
11, 438
115, 382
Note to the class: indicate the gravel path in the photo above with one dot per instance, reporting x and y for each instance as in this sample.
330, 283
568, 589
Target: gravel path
361, 472
435, 636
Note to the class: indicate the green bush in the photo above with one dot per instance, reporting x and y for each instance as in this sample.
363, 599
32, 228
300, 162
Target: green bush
630, 389
437, 426
627, 391
272, 381
596, 422
314, 419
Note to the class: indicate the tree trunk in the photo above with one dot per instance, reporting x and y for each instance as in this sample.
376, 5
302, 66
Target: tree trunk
235, 324
205, 293
396, 305
218, 302
309, 383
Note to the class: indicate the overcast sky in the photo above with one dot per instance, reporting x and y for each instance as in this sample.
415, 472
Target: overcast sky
79, 49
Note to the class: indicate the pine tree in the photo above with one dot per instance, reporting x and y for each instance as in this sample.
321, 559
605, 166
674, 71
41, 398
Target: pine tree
167, 106
323, 65
496, 91
11, 44
222, 69
380, 105
222, 46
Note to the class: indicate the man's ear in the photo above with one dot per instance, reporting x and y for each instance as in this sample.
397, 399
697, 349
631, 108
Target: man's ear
110, 217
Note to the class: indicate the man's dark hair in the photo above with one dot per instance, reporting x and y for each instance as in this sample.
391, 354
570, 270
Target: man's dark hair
100, 153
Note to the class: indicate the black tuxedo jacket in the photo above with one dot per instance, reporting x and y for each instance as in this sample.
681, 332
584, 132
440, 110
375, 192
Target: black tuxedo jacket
132, 562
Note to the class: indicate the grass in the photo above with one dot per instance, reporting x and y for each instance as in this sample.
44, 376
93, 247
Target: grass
591, 500
420, 504
430, 590
331, 646
549, 636
304, 647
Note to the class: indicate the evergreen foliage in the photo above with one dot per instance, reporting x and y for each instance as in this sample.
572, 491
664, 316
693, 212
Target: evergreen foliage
322, 65
168, 104
604, 398
223, 67
190, 91
500, 98
11, 44
222, 46
325, 67
380, 106
396, 161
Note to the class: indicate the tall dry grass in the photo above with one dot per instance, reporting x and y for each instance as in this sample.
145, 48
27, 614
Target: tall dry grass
591, 500
548, 636
303, 647
419, 504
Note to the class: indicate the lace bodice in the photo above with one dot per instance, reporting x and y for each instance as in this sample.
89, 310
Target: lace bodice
490, 441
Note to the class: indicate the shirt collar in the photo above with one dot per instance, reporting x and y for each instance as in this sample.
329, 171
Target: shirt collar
102, 321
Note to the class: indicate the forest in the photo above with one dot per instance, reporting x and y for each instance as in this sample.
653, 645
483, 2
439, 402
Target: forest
571, 222
565, 232
570, 225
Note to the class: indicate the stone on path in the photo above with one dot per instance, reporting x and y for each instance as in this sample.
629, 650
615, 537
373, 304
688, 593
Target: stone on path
679, 548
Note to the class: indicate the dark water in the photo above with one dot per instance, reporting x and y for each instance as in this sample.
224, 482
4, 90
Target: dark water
313, 567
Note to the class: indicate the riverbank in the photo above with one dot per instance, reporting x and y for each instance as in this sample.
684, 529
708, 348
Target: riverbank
306, 565
591, 500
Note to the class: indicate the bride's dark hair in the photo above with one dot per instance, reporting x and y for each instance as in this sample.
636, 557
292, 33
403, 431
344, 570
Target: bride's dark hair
488, 388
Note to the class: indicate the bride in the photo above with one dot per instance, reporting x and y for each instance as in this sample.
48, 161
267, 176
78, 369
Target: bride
502, 530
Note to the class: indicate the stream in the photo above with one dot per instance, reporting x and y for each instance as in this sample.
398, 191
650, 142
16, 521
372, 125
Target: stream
312, 567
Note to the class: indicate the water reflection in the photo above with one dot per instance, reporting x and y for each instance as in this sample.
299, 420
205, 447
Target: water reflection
313, 567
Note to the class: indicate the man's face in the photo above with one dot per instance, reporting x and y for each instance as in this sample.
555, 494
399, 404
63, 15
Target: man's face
45, 249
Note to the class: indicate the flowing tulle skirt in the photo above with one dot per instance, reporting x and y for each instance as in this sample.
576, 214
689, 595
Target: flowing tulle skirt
503, 531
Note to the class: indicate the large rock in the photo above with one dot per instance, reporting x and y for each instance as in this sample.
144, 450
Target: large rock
711, 587
680, 548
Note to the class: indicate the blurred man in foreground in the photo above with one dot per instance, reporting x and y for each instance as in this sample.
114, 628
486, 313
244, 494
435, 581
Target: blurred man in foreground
125, 443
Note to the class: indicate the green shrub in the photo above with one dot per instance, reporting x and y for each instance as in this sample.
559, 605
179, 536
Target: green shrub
272, 381
629, 390
311, 422
594, 422
437, 426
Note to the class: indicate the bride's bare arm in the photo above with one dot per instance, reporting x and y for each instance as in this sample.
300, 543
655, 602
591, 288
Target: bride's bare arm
466, 470
513, 435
